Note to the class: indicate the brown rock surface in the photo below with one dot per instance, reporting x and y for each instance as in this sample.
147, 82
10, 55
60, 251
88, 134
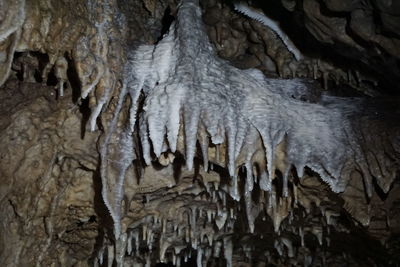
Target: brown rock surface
61, 64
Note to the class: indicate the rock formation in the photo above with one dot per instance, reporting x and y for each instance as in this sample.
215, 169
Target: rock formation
208, 133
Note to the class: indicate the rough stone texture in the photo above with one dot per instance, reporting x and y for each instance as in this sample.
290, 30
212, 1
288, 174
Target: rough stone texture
51, 207
47, 178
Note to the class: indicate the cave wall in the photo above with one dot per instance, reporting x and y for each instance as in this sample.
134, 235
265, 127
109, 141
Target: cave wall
61, 71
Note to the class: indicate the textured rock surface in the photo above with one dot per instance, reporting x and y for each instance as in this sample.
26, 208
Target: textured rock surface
47, 178
62, 65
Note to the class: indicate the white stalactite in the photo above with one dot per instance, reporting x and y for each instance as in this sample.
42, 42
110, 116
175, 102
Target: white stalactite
273, 25
186, 86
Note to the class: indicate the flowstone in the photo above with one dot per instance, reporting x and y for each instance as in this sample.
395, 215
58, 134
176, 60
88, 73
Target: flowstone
188, 95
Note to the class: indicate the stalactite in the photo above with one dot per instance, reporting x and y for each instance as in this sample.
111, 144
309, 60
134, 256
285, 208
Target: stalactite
273, 25
255, 122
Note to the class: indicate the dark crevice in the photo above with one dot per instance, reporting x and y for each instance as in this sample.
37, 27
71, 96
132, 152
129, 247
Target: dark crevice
103, 217
51, 78
75, 86
166, 21
85, 111
73, 78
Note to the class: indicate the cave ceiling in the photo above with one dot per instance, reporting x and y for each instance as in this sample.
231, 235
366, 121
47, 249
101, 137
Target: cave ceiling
199, 133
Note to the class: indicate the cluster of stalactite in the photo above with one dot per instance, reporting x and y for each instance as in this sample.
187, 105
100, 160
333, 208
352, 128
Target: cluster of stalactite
190, 97
202, 157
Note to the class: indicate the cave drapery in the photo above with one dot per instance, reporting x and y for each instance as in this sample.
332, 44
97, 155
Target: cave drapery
176, 150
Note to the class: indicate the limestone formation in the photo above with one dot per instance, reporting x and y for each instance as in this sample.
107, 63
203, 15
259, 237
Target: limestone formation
199, 133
